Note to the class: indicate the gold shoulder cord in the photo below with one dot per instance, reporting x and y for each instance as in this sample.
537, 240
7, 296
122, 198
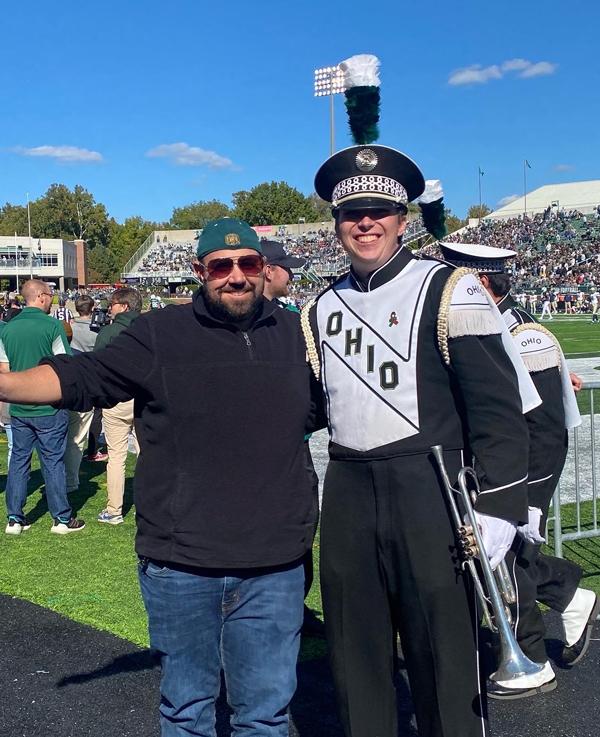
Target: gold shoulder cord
541, 329
311, 347
444, 311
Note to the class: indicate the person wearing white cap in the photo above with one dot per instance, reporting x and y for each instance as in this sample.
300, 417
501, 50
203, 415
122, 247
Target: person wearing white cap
410, 355
549, 580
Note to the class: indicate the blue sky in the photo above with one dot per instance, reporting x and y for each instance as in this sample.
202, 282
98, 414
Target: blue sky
92, 90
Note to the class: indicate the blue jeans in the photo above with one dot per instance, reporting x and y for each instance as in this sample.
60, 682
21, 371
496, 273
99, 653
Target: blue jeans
48, 435
245, 624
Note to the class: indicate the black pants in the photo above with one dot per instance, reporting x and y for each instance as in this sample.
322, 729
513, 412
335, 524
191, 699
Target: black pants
539, 577
388, 563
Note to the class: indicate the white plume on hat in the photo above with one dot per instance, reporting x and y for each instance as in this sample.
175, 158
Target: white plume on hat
433, 191
361, 70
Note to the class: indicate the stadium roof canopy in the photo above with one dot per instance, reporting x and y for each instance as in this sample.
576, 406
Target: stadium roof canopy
582, 196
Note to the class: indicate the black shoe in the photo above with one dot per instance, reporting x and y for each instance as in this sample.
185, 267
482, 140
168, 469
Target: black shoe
572, 654
312, 625
64, 528
500, 693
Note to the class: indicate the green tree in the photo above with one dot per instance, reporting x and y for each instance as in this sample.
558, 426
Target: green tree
102, 265
13, 219
322, 209
125, 239
197, 214
453, 222
59, 213
478, 212
274, 203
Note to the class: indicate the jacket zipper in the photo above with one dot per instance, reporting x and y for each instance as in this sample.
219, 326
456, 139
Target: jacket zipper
249, 344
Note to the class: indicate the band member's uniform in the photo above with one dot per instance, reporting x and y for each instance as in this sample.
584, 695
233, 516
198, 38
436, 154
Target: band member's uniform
409, 356
540, 578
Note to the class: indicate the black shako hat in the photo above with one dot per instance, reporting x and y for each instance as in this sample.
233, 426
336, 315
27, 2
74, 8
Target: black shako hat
486, 259
275, 254
369, 177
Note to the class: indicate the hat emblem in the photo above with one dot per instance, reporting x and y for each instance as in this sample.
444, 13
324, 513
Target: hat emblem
366, 159
232, 239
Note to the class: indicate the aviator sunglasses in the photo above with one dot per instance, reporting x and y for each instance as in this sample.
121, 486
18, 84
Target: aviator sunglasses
220, 268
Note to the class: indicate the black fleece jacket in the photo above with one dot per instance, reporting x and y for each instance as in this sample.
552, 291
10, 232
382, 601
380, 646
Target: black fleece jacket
220, 416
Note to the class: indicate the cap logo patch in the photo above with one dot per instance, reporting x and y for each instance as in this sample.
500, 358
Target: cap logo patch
232, 239
366, 159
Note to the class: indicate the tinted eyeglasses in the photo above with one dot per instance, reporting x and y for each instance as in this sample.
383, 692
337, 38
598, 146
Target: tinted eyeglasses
221, 268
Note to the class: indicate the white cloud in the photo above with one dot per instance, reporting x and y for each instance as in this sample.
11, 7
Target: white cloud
522, 68
475, 74
540, 69
70, 154
508, 199
564, 167
515, 65
182, 154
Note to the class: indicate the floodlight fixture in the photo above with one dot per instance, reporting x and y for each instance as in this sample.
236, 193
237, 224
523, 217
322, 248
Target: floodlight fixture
329, 81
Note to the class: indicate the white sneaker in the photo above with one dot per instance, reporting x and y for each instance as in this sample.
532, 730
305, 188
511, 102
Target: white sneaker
519, 688
14, 527
578, 621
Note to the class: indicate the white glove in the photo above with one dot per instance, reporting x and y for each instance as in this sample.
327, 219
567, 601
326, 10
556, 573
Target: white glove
497, 535
531, 531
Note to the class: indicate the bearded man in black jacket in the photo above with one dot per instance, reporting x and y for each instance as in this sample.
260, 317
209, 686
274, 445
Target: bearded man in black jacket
224, 503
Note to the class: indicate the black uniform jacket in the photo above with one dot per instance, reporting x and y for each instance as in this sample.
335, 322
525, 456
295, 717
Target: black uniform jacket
220, 416
473, 404
548, 438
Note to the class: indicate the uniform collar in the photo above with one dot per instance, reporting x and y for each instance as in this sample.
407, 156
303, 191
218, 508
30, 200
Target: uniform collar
506, 303
392, 267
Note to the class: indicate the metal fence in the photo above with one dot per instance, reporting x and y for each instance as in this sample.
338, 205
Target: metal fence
578, 484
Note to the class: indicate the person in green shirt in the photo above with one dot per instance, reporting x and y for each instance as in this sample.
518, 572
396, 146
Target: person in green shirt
29, 337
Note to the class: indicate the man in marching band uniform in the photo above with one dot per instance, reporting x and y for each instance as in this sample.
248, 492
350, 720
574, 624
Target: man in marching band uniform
411, 353
540, 578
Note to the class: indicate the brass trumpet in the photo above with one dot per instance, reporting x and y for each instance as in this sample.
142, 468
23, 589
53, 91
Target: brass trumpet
513, 662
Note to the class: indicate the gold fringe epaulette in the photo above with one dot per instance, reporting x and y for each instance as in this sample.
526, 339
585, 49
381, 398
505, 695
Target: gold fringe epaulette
312, 354
541, 329
444, 312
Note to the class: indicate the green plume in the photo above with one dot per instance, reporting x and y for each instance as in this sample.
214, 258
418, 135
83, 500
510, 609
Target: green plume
362, 104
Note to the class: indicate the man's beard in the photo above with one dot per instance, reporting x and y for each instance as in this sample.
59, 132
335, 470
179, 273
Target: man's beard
232, 312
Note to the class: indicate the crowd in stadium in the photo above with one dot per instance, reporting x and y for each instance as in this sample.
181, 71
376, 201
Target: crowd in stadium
558, 251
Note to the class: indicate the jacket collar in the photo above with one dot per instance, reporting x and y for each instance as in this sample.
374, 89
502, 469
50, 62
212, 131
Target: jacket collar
392, 267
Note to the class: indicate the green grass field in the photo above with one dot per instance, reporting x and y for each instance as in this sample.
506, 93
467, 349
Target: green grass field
578, 336
91, 576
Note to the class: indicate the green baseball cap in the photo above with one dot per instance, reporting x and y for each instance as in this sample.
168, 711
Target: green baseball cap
226, 234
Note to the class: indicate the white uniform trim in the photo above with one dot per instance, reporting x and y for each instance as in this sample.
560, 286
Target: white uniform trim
539, 481
506, 486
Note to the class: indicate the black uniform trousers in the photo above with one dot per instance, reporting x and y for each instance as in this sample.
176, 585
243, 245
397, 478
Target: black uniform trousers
540, 578
388, 564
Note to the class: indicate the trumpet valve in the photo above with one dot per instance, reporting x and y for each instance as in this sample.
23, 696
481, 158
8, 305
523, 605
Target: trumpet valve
467, 541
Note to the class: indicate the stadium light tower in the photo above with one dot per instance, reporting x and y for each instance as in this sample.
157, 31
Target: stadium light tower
329, 81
